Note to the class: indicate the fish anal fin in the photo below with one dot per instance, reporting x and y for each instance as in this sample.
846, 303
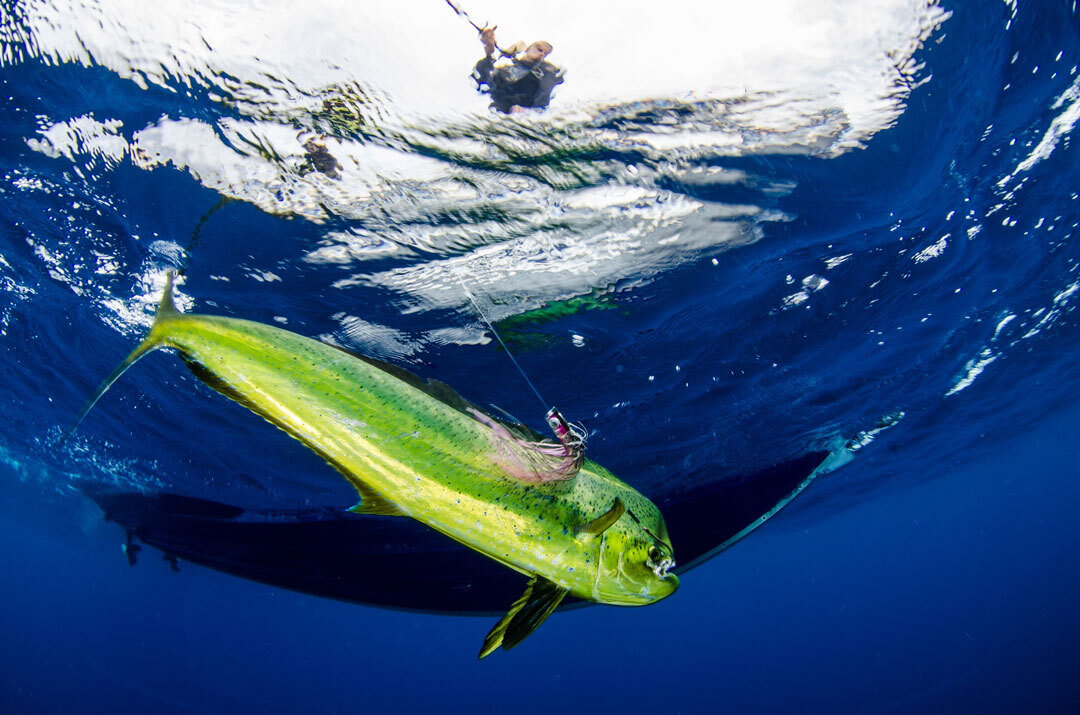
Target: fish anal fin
540, 599
601, 523
373, 503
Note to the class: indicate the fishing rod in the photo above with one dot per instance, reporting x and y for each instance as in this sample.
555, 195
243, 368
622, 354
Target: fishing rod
461, 13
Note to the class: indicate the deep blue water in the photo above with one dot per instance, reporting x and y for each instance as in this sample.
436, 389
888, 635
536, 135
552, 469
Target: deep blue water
925, 278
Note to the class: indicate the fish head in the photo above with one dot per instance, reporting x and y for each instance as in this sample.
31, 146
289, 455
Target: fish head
635, 560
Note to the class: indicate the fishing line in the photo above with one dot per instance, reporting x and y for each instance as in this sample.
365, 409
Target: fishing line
495, 332
571, 437
196, 233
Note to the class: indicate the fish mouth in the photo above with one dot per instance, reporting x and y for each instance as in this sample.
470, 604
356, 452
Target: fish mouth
661, 569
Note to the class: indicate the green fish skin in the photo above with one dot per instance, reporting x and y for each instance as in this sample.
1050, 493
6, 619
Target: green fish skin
418, 450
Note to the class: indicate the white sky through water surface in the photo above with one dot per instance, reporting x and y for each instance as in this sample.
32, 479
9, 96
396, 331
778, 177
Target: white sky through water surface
417, 54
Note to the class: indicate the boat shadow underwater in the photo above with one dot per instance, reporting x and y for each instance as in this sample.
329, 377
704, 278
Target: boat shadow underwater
402, 563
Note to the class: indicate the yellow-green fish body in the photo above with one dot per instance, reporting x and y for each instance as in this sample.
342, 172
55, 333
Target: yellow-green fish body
416, 449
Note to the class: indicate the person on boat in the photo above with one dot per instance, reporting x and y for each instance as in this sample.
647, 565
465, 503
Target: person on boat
525, 83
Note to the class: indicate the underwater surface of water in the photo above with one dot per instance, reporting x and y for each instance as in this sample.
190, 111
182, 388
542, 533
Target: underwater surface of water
737, 234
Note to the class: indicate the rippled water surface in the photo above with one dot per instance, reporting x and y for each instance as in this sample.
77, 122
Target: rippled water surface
737, 234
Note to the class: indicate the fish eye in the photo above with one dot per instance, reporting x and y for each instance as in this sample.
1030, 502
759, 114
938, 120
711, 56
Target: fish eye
654, 554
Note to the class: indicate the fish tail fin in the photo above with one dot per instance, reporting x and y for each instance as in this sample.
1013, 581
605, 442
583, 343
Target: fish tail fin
166, 309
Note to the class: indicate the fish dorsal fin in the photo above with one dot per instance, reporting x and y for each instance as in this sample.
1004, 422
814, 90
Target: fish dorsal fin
438, 390
603, 522
540, 599
433, 388
372, 502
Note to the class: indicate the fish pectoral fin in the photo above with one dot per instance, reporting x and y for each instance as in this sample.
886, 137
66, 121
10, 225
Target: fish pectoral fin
540, 599
373, 503
376, 507
601, 523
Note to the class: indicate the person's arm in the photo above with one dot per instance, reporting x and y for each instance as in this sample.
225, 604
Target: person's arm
483, 69
487, 37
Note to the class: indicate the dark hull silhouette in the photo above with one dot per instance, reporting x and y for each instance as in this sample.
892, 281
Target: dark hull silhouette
397, 562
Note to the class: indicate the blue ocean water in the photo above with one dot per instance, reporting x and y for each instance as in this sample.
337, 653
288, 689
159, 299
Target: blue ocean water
713, 280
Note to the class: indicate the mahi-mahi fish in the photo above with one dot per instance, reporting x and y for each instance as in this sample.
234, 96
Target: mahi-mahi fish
417, 449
